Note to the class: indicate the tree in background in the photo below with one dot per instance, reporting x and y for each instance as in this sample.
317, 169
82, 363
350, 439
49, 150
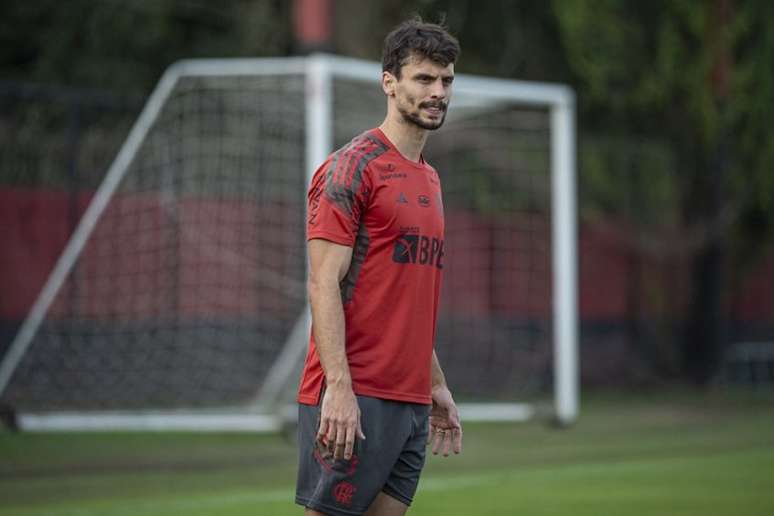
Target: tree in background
126, 45
696, 76
75, 74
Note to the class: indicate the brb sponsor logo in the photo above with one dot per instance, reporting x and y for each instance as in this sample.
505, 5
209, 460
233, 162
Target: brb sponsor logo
418, 249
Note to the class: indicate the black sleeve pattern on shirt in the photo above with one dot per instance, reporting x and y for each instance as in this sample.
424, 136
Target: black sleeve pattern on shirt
347, 285
345, 173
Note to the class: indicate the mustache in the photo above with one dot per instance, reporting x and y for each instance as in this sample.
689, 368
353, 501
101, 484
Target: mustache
438, 105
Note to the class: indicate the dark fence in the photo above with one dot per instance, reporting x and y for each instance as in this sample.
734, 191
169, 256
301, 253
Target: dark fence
53, 140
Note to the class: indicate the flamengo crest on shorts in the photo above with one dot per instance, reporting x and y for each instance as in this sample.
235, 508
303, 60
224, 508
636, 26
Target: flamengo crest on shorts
343, 492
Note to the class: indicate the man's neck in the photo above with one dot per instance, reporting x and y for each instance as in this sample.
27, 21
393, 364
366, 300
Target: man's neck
405, 136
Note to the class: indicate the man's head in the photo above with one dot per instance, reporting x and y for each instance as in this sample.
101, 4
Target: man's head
417, 71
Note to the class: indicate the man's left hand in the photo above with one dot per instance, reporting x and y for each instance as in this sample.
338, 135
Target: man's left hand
445, 429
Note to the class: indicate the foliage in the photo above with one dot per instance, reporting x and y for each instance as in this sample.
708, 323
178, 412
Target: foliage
119, 45
651, 69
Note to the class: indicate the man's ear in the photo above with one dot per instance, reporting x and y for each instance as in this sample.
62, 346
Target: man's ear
388, 84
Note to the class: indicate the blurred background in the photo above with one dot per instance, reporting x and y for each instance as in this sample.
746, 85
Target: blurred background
675, 188
674, 102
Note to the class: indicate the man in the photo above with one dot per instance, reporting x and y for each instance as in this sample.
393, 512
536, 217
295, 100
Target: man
372, 393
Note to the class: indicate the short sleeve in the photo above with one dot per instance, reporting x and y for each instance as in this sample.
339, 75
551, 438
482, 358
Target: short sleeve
336, 200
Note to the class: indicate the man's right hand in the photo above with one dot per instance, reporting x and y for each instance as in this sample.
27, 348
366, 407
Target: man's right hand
339, 421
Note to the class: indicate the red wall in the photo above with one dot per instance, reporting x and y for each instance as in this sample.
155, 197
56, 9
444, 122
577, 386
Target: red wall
34, 229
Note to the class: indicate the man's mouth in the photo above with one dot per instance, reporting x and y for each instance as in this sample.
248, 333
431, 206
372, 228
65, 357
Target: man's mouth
435, 109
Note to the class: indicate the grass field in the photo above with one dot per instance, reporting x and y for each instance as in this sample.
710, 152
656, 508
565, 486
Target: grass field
673, 454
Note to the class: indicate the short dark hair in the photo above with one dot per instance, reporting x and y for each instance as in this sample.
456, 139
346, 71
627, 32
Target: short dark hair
428, 40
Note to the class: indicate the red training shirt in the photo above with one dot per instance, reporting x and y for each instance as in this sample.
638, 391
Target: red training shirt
389, 210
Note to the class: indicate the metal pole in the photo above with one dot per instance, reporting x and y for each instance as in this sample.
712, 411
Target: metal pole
565, 260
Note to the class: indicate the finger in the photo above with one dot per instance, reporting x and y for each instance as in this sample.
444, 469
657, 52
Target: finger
437, 439
322, 431
331, 437
341, 439
360, 433
457, 434
438, 445
456, 430
447, 441
349, 443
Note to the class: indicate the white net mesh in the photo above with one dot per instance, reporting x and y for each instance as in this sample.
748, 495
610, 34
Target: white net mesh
192, 280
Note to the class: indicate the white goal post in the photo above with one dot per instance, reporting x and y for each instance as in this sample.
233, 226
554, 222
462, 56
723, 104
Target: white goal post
329, 82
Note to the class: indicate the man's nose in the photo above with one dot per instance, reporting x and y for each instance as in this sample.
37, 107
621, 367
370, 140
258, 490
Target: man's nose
437, 90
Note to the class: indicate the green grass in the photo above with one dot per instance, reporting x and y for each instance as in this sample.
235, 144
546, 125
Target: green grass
663, 455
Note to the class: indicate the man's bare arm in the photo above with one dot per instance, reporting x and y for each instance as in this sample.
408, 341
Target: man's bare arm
445, 427
339, 414
437, 377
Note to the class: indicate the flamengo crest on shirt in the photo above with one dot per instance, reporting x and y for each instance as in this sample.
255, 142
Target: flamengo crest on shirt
418, 249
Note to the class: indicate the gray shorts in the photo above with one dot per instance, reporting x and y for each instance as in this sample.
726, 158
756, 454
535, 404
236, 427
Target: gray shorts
389, 460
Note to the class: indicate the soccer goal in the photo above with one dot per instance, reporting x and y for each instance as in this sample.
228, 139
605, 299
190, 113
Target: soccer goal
179, 302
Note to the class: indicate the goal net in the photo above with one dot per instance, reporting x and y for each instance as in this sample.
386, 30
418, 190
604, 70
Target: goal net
179, 301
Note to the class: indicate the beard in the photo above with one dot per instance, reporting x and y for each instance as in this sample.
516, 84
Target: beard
414, 117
